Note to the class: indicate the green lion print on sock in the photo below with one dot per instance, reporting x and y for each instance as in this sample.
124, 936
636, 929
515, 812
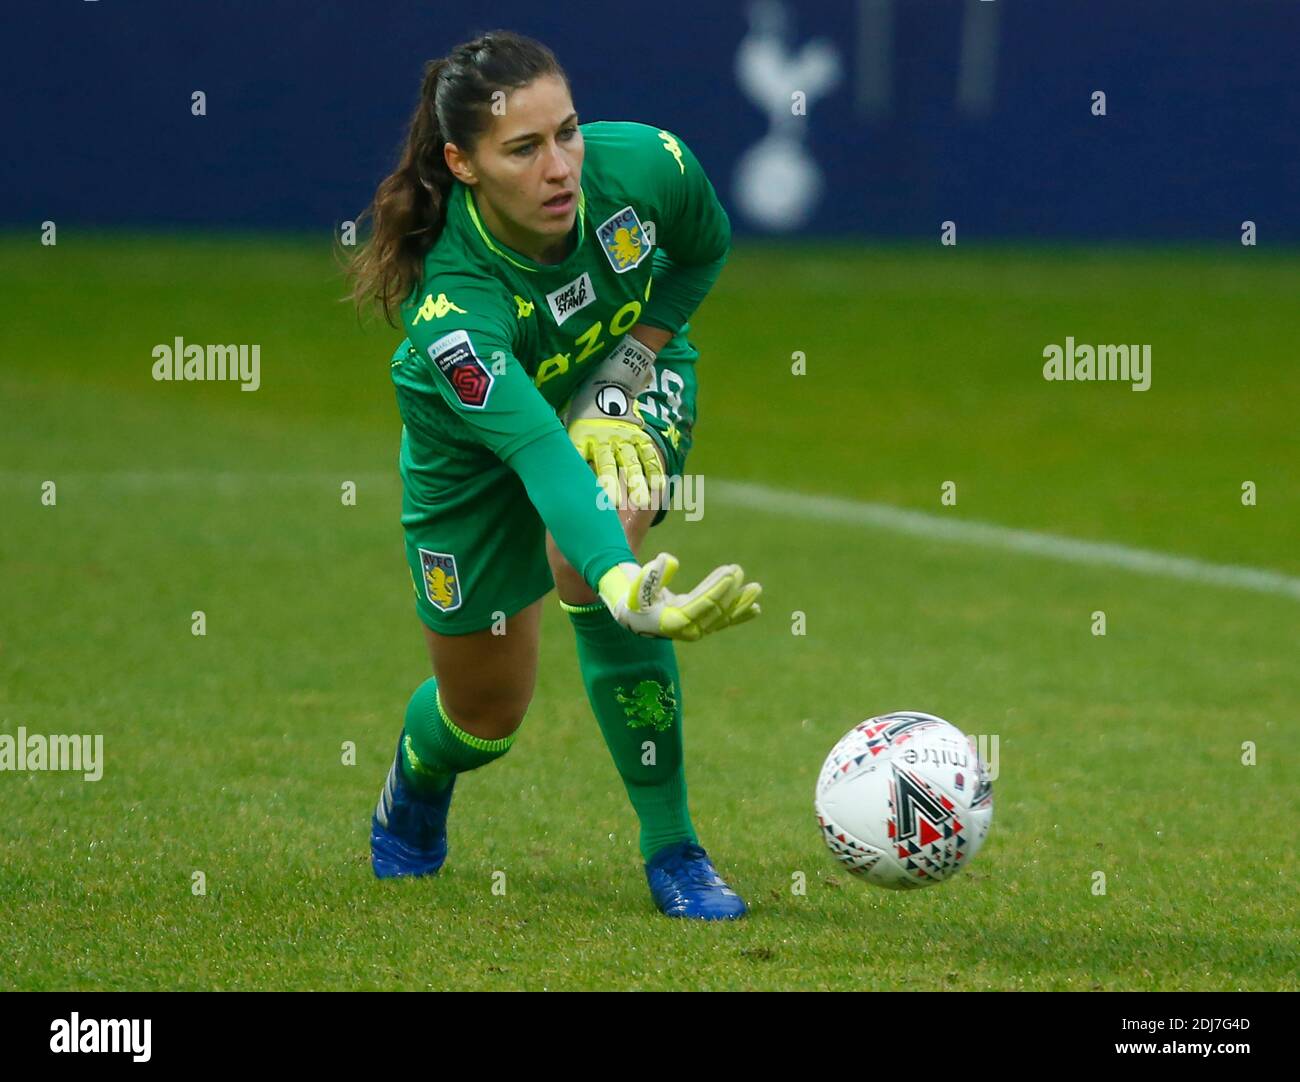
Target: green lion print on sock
649, 704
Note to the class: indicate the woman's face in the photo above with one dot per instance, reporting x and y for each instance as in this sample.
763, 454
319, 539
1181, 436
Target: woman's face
526, 169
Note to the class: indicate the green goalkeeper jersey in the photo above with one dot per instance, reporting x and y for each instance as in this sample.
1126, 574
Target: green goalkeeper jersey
498, 343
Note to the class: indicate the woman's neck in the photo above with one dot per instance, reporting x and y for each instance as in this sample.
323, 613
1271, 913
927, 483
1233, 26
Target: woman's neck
537, 247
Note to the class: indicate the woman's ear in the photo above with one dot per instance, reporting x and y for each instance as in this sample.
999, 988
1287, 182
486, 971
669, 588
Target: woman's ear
459, 164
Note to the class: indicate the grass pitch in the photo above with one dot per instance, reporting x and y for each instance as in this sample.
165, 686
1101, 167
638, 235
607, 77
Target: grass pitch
224, 754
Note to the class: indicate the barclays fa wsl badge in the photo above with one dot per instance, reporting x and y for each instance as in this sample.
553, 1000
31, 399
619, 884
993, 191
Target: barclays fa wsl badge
441, 580
469, 377
624, 240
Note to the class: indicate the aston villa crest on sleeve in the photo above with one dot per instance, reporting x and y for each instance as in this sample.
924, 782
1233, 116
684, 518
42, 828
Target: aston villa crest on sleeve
624, 240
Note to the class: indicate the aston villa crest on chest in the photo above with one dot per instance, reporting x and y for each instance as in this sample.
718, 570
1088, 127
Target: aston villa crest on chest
624, 239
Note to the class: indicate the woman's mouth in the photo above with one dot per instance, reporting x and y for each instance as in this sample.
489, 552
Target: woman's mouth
559, 204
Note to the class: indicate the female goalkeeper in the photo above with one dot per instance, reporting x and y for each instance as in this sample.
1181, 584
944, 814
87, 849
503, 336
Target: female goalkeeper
542, 267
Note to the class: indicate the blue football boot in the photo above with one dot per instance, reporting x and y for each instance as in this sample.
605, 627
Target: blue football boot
684, 883
408, 835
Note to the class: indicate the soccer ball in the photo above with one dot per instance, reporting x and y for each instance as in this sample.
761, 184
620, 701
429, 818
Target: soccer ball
904, 800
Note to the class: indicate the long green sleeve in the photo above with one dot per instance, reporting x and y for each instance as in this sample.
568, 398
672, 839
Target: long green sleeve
692, 237
565, 492
678, 290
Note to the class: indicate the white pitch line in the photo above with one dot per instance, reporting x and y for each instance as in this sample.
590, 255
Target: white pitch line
880, 516
987, 535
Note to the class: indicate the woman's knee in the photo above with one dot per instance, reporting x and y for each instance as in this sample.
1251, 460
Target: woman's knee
486, 680
487, 719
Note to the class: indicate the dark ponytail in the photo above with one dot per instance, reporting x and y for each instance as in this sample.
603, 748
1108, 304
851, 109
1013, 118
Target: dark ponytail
410, 205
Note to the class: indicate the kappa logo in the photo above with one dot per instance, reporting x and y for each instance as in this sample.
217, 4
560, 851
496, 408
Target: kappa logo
624, 240
436, 307
571, 298
441, 580
674, 148
469, 377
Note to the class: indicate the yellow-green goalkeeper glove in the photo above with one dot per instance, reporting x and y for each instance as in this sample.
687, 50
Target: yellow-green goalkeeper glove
638, 599
606, 427
622, 451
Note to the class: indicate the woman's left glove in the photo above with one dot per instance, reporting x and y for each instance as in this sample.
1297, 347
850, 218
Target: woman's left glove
606, 427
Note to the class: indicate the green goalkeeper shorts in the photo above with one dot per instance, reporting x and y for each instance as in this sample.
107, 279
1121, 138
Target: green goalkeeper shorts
478, 552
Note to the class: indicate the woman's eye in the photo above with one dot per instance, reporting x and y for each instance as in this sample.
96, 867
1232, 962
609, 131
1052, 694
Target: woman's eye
568, 133
519, 152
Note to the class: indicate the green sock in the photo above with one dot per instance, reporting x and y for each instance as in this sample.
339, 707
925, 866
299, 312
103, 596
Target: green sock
435, 748
634, 691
